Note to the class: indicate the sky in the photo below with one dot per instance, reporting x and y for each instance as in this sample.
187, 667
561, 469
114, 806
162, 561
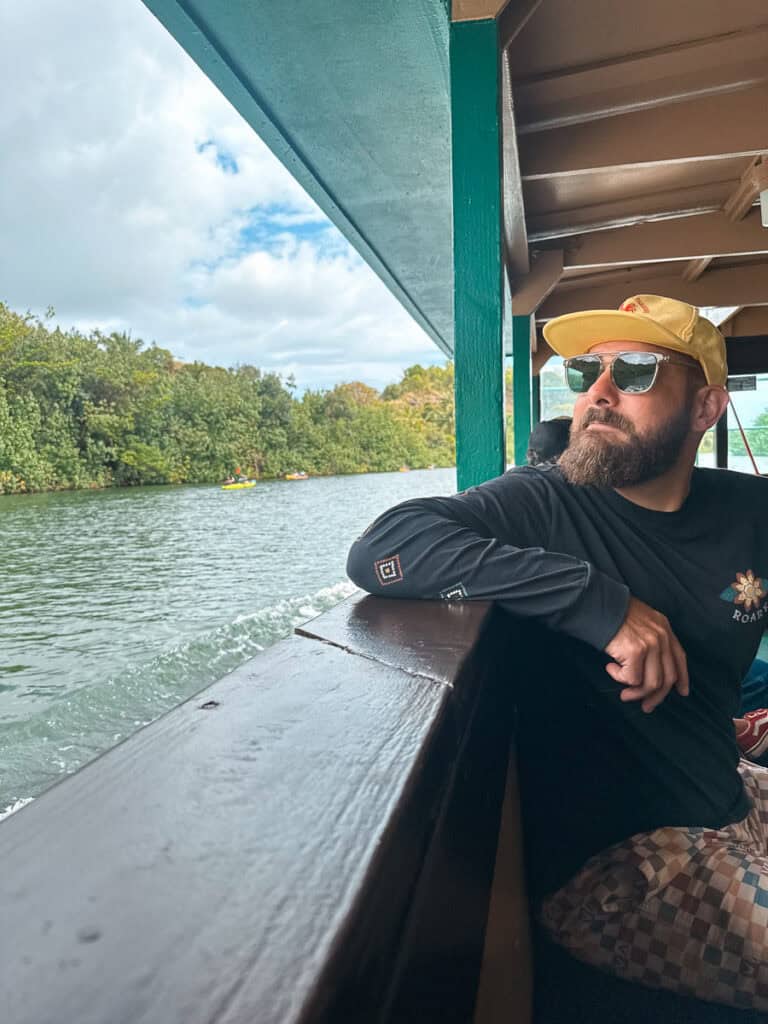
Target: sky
134, 198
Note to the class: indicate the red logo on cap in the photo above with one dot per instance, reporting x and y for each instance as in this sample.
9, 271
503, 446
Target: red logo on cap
632, 307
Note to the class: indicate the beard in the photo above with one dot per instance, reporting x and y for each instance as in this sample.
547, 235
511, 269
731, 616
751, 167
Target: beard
601, 461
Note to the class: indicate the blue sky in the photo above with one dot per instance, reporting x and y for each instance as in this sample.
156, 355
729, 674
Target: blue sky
134, 198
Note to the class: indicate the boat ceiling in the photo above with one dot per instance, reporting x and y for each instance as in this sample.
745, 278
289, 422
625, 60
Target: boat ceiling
640, 133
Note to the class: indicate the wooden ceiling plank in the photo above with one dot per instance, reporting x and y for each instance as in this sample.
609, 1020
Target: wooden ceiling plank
745, 285
529, 292
513, 209
513, 19
476, 10
670, 204
747, 321
746, 192
633, 97
637, 68
739, 39
696, 268
708, 235
729, 125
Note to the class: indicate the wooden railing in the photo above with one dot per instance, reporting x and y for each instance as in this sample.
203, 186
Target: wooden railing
313, 838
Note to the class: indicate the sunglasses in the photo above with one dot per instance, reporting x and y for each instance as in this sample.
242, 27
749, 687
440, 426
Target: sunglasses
632, 373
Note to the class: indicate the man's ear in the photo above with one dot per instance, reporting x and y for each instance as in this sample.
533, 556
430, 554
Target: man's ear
709, 405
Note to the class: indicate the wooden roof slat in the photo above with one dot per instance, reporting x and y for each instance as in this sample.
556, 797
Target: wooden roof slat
475, 10
639, 67
747, 191
733, 124
745, 285
632, 97
567, 35
529, 292
515, 234
671, 204
696, 268
748, 321
708, 235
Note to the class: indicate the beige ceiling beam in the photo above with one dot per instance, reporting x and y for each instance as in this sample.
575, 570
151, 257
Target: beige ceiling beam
513, 209
753, 180
673, 203
746, 322
705, 236
693, 270
745, 285
513, 18
541, 354
476, 10
627, 99
687, 65
512, 15
729, 125
529, 292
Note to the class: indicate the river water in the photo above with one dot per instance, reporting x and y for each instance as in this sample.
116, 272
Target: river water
117, 605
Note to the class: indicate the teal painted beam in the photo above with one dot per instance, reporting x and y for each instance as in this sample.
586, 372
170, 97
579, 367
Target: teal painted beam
522, 386
477, 252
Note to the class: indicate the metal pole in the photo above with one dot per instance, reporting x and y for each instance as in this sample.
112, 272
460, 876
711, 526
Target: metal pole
522, 385
721, 442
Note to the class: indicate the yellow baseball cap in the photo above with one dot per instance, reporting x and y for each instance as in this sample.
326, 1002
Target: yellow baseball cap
653, 319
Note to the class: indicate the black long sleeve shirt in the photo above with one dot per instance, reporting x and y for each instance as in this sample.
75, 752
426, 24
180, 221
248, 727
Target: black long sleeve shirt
566, 559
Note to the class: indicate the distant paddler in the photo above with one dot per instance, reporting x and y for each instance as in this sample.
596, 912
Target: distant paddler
237, 482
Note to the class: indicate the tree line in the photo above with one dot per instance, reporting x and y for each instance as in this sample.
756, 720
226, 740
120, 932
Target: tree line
102, 410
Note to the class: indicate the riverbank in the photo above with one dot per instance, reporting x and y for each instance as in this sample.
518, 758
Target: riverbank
80, 412
22, 492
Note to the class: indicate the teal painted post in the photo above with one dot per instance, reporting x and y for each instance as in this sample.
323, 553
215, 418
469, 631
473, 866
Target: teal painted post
536, 398
477, 252
522, 387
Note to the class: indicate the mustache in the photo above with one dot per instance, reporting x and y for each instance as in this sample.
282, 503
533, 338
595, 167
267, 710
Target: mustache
608, 418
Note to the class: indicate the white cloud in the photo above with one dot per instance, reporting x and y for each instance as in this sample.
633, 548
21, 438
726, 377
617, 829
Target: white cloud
120, 208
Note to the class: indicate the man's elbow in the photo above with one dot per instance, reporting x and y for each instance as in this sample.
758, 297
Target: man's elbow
359, 566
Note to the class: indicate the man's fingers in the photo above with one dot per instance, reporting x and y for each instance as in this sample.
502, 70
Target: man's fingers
669, 667
629, 672
683, 684
647, 657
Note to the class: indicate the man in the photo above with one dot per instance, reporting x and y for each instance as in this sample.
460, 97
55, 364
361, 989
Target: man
642, 582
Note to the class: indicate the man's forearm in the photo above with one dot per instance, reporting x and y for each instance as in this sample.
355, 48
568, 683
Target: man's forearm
416, 551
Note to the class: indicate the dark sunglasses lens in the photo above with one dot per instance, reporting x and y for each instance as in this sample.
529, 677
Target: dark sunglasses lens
634, 372
581, 372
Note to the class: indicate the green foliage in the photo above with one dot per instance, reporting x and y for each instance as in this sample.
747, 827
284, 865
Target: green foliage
757, 436
106, 410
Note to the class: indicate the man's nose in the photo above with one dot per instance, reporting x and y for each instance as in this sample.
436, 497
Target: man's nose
604, 391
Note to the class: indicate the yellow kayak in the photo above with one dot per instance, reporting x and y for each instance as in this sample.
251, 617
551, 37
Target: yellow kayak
296, 476
238, 487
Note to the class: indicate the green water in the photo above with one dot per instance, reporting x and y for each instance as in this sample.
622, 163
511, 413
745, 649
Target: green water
117, 605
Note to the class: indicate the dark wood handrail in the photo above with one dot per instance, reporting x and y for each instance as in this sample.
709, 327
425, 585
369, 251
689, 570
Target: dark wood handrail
310, 839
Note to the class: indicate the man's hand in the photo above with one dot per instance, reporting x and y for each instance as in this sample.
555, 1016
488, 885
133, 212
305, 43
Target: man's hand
647, 657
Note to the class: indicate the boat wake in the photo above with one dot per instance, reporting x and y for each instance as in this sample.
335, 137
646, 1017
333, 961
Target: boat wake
95, 718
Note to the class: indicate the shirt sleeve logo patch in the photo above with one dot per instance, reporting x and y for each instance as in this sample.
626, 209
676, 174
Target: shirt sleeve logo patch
388, 570
458, 592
